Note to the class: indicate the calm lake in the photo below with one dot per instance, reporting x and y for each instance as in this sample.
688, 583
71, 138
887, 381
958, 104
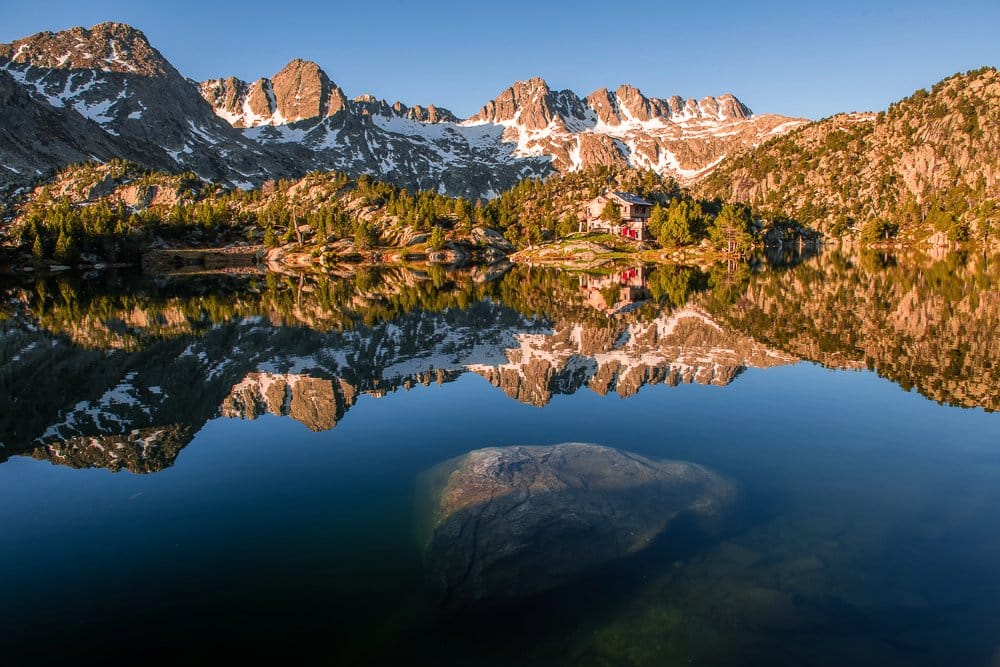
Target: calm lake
236, 467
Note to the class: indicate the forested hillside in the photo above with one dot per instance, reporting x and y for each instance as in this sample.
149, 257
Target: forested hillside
928, 165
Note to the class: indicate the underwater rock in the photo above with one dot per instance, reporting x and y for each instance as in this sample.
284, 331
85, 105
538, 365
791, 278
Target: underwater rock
513, 521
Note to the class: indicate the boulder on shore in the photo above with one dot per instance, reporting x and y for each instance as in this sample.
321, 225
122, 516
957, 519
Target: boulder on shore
512, 521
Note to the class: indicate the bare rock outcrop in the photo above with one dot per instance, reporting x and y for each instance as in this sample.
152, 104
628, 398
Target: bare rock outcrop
512, 521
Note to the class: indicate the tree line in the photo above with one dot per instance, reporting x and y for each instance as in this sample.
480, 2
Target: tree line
326, 207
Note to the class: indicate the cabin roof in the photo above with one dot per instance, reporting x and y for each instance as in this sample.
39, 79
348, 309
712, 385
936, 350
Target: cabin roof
630, 198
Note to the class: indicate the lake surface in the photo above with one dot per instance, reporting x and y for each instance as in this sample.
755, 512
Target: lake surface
235, 467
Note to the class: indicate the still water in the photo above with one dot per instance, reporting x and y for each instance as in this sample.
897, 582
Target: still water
237, 467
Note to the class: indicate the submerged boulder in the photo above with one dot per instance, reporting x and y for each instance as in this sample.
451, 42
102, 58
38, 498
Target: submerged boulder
511, 521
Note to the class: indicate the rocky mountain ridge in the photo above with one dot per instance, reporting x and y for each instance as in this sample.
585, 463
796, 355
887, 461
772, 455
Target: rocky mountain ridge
241, 134
300, 91
547, 130
36, 136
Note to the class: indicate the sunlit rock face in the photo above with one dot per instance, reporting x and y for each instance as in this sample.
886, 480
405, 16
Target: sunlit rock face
513, 521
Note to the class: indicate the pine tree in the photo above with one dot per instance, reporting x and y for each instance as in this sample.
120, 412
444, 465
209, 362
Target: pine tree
731, 230
365, 235
37, 247
682, 223
270, 240
436, 241
66, 250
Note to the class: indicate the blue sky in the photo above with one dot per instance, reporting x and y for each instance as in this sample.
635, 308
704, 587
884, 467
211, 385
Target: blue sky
794, 58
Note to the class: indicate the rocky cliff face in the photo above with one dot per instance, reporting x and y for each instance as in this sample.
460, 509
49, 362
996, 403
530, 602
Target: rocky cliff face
683, 138
419, 147
37, 137
628, 103
300, 91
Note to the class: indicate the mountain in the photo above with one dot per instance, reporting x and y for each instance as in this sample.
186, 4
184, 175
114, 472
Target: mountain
300, 91
682, 138
929, 165
527, 130
239, 133
111, 76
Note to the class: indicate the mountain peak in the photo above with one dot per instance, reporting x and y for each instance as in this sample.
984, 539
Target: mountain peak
110, 47
627, 89
727, 107
300, 91
300, 66
428, 114
635, 103
529, 103
108, 83
303, 90
629, 103
535, 82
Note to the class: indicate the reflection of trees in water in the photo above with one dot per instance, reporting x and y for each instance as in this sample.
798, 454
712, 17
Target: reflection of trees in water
126, 311
924, 324
930, 325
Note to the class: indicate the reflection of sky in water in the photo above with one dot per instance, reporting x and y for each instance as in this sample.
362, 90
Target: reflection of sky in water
867, 532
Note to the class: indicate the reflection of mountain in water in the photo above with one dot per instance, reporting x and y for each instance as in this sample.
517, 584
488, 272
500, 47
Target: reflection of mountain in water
135, 410
683, 346
121, 409
316, 402
140, 450
123, 381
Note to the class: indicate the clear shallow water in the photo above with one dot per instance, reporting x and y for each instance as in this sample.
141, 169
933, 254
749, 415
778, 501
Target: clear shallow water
866, 532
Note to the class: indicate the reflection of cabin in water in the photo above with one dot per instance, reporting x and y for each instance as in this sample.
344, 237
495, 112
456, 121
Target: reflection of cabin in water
613, 292
634, 211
